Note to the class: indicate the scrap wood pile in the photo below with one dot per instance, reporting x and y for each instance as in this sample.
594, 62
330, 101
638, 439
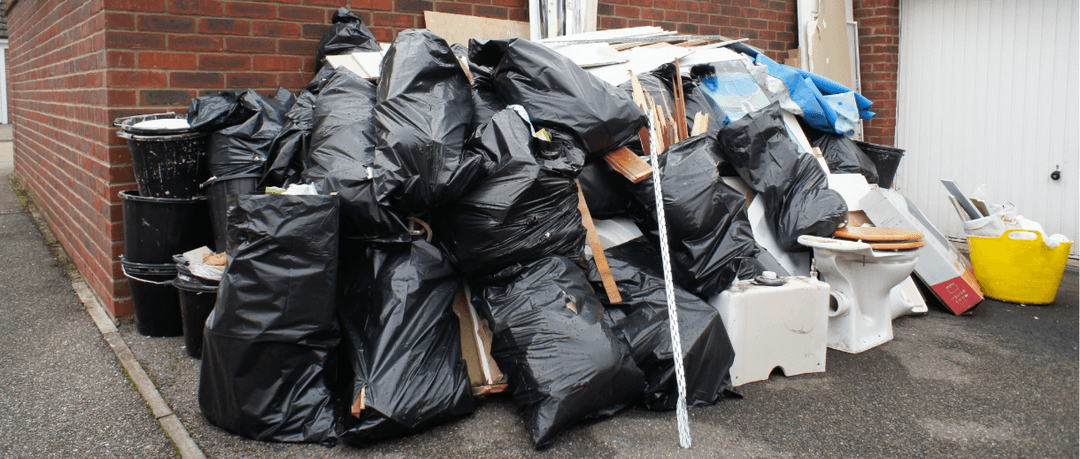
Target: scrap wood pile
447, 209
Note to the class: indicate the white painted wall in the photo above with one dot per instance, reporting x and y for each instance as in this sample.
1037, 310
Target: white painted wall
988, 94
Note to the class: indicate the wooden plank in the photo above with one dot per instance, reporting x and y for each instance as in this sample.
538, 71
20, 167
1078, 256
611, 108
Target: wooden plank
629, 164
597, 249
459, 28
484, 374
701, 124
359, 404
680, 104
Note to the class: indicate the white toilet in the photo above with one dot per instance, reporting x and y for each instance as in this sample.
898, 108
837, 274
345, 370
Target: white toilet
862, 277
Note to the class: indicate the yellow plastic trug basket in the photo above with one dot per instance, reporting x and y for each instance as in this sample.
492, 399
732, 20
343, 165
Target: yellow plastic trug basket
1018, 270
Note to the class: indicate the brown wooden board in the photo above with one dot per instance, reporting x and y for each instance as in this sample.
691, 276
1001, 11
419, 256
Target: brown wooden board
597, 249
629, 164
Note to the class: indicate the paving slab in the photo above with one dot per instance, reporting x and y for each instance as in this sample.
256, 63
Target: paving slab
62, 391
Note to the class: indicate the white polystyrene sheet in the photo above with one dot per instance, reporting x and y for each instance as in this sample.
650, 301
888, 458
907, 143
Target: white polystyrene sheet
707, 56
852, 187
616, 231
591, 54
639, 60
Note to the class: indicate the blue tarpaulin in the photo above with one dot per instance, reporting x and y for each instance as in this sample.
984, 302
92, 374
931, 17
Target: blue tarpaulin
827, 105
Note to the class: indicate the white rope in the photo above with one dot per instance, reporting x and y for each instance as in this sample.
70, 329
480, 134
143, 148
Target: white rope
673, 315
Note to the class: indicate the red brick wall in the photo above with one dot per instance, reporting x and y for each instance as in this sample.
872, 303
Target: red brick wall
770, 25
58, 102
879, 48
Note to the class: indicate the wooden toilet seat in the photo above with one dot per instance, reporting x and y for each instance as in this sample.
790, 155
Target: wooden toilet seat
882, 238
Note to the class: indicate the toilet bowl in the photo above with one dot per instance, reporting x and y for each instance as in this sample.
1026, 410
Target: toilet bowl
861, 279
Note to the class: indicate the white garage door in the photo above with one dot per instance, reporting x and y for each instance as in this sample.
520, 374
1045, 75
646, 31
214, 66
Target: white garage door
988, 94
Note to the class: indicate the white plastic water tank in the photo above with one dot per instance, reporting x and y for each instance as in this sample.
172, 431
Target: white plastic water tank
772, 326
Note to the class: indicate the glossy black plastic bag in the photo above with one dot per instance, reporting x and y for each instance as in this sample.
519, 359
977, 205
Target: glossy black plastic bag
343, 155
845, 157
348, 34
558, 94
422, 116
218, 110
290, 148
526, 209
241, 150
401, 341
641, 319
562, 362
708, 231
268, 346
604, 190
795, 189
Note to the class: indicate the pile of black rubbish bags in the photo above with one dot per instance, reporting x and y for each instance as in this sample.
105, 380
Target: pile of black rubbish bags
334, 319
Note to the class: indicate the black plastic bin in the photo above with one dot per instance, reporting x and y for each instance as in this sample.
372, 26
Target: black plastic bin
886, 159
156, 304
196, 302
168, 163
222, 194
157, 228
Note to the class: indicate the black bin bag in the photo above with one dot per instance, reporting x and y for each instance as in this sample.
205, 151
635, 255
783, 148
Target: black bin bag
241, 150
343, 155
290, 148
563, 363
347, 34
524, 210
422, 116
604, 190
558, 94
401, 347
268, 346
709, 234
845, 157
641, 319
795, 189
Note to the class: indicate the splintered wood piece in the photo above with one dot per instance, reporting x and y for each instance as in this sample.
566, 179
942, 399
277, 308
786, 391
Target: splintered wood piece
692, 43
359, 405
475, 344
629, 164
638, 93
597, 249
701, 124
680, 103
465, 67
643, 134
489, 389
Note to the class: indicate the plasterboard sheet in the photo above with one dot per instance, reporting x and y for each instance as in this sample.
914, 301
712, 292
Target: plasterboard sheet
459, 28
631, 32
640, 60
707, 56
828, 43
365, 64
592, 54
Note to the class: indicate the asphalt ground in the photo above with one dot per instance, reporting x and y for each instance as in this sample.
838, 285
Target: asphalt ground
62, 391
999, 382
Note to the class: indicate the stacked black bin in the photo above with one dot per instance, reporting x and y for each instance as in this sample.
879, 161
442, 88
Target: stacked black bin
165, 216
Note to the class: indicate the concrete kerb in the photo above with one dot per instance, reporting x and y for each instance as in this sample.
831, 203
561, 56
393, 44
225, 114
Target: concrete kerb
161, 411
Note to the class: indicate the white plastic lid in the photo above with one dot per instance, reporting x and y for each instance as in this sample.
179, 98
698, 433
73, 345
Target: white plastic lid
162, 124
